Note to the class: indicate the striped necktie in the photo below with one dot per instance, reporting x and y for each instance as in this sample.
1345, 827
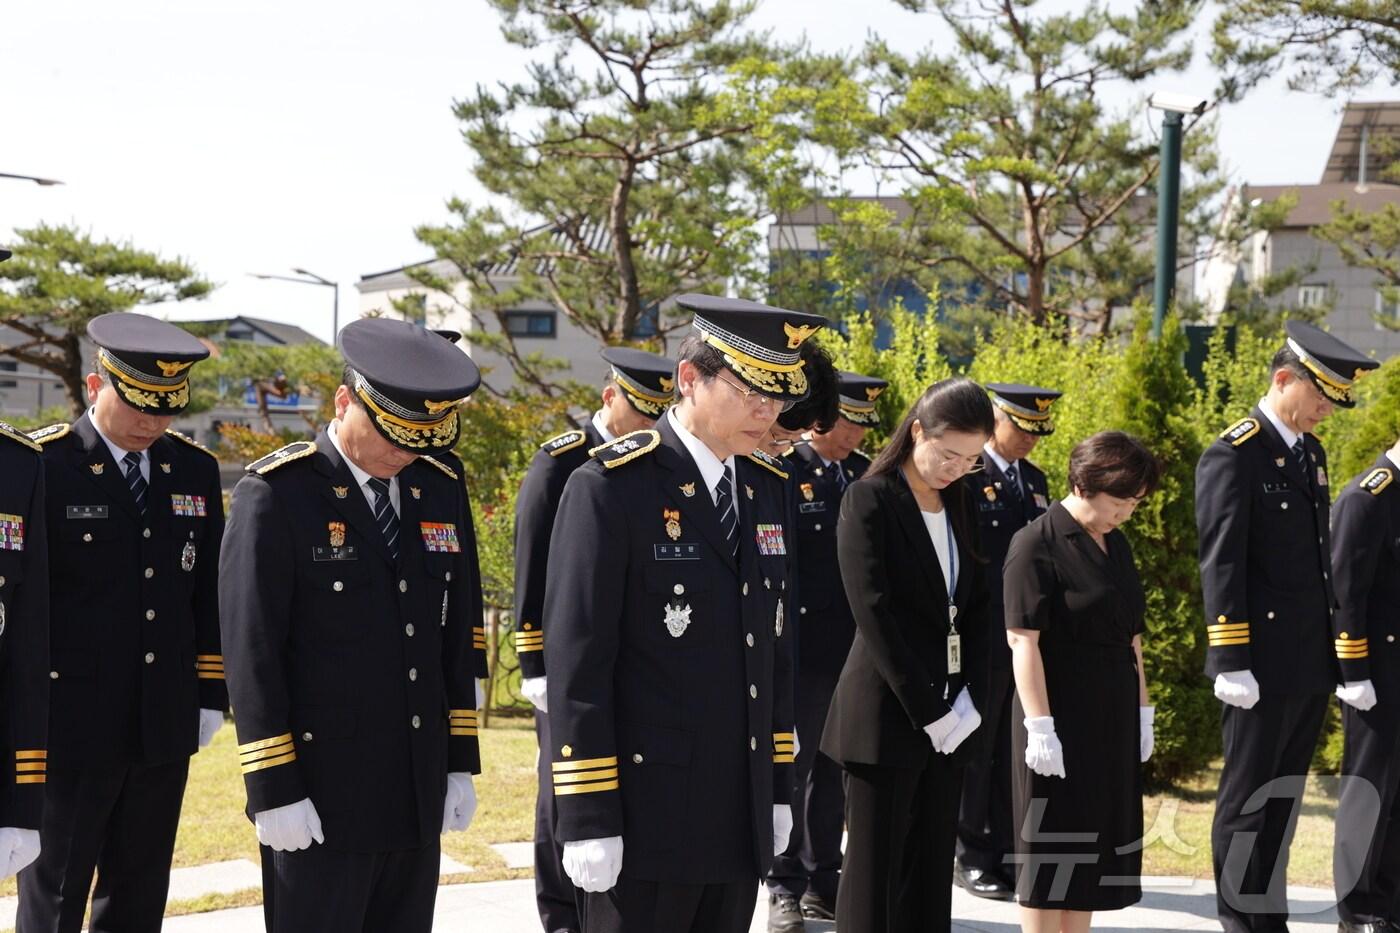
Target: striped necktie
1013, 481
384, 515
728, 517
135, 480
1300, 456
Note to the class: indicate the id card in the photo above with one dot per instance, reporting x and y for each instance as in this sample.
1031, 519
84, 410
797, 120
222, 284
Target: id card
955, 653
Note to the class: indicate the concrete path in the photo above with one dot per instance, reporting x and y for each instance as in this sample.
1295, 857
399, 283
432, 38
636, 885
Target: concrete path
508, 907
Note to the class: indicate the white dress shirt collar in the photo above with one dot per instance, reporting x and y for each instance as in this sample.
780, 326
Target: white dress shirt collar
711, 467
361, 477
1289, 436
1395, 461
1002, 463
118, 454
602, 429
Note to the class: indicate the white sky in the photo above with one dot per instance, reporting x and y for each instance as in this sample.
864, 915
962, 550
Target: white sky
259, 136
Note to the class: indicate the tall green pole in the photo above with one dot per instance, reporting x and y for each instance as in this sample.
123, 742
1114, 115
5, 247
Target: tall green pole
1168, 203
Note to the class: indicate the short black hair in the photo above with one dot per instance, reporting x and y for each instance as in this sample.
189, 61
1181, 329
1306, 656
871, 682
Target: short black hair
1115, 463
1285, 358
820, 409
700, 355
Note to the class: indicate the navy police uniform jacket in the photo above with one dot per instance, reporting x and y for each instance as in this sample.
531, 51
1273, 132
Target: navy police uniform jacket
825, 624
1000, 514
535, 507
24, 631
1264, 549
134, 611
1366, 557
670, 704
481, 669
350, 672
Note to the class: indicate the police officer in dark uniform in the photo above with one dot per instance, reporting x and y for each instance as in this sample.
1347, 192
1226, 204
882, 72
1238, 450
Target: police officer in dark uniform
667, 612
637, 391
1366, 562
135, 515
346, 609
1262, 506
1013, 493
803, 880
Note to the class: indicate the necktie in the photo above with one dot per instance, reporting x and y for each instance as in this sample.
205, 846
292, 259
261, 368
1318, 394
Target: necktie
384, 515
135, 480
840, 475
1013, 481
728, 517
1300, 456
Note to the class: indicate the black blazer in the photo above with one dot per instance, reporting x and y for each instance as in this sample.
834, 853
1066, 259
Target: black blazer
896, 680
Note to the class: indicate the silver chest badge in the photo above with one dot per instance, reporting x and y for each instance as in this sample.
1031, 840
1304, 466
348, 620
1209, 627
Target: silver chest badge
677, 618
2, 618
778, 621
187, 557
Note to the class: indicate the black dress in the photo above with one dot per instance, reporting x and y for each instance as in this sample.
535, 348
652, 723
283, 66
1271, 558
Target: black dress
1077, 837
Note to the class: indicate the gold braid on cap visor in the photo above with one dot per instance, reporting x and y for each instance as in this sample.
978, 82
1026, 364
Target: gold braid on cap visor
404, 431
770, 372
857, 412
642, 400
142, 389
1032, 422
1333, 385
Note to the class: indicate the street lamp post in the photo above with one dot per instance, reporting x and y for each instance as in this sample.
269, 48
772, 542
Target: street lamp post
44, 182
1174, 107
312, 278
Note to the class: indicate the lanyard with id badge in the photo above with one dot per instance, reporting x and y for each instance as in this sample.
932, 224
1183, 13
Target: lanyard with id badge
954, 639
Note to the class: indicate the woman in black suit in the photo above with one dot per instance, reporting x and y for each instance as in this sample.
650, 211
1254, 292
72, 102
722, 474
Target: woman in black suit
908, 692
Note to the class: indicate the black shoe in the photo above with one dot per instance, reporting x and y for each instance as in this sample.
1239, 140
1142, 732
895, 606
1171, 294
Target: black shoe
784, 914
981, 883
1378, 926
815, 907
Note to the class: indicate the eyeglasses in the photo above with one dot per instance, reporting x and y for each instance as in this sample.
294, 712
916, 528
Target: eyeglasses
757, 400
971, 463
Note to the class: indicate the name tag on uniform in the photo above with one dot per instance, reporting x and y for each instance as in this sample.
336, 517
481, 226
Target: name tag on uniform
675, 551
770, 540
955, 653
11, 532
320, 554
809, 507
187, 506
440, 537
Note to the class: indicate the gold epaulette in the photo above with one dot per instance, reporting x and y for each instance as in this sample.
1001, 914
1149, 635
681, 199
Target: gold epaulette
1240, 431
563, 442
1376, 481
17, 436
52, 433
293, 451
191, 441
451, 473
627, 448
768, 463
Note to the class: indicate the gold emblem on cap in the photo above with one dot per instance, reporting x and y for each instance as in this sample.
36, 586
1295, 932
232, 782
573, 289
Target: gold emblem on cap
171, 370
96, 468
667, 384
1043, 404
873, 392
435, 408
340, 491
796, 333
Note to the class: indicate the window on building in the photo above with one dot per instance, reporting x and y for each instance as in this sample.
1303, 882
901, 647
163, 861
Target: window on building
1387, 310
531, 323
8, 366
1312, 296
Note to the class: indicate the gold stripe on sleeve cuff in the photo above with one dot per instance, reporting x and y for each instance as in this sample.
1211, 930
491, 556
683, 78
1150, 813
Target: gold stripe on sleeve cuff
584, 764
266, 753
31, 766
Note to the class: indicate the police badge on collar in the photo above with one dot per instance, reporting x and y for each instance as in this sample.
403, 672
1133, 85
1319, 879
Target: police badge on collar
187, 557
677, 618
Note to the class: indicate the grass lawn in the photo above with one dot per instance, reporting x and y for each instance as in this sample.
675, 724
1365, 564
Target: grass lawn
213, 827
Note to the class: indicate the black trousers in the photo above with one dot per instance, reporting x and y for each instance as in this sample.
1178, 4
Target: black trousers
321, 890
1366, 857
1267, 752
665, 907
985, 832
120, 821
900, 824
812, 860
555, 895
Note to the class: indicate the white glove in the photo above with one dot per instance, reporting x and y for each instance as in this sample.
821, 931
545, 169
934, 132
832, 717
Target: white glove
1237, 688
480, 694
1145, 735
290, 828
210, 722
1044, 753
593, 864
533, 689
968, 721
939, 731
18, 847
796, 745
1358, 693
460, 802
782, 827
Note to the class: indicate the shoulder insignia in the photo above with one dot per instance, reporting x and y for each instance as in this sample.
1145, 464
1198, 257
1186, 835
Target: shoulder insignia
627, 448
52, 433
1240, 431
769, 463
560, 443
451, 473
1376, 481
19, 437
293, 451
191, 441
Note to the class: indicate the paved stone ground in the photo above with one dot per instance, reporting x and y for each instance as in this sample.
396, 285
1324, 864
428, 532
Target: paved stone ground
508, 907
